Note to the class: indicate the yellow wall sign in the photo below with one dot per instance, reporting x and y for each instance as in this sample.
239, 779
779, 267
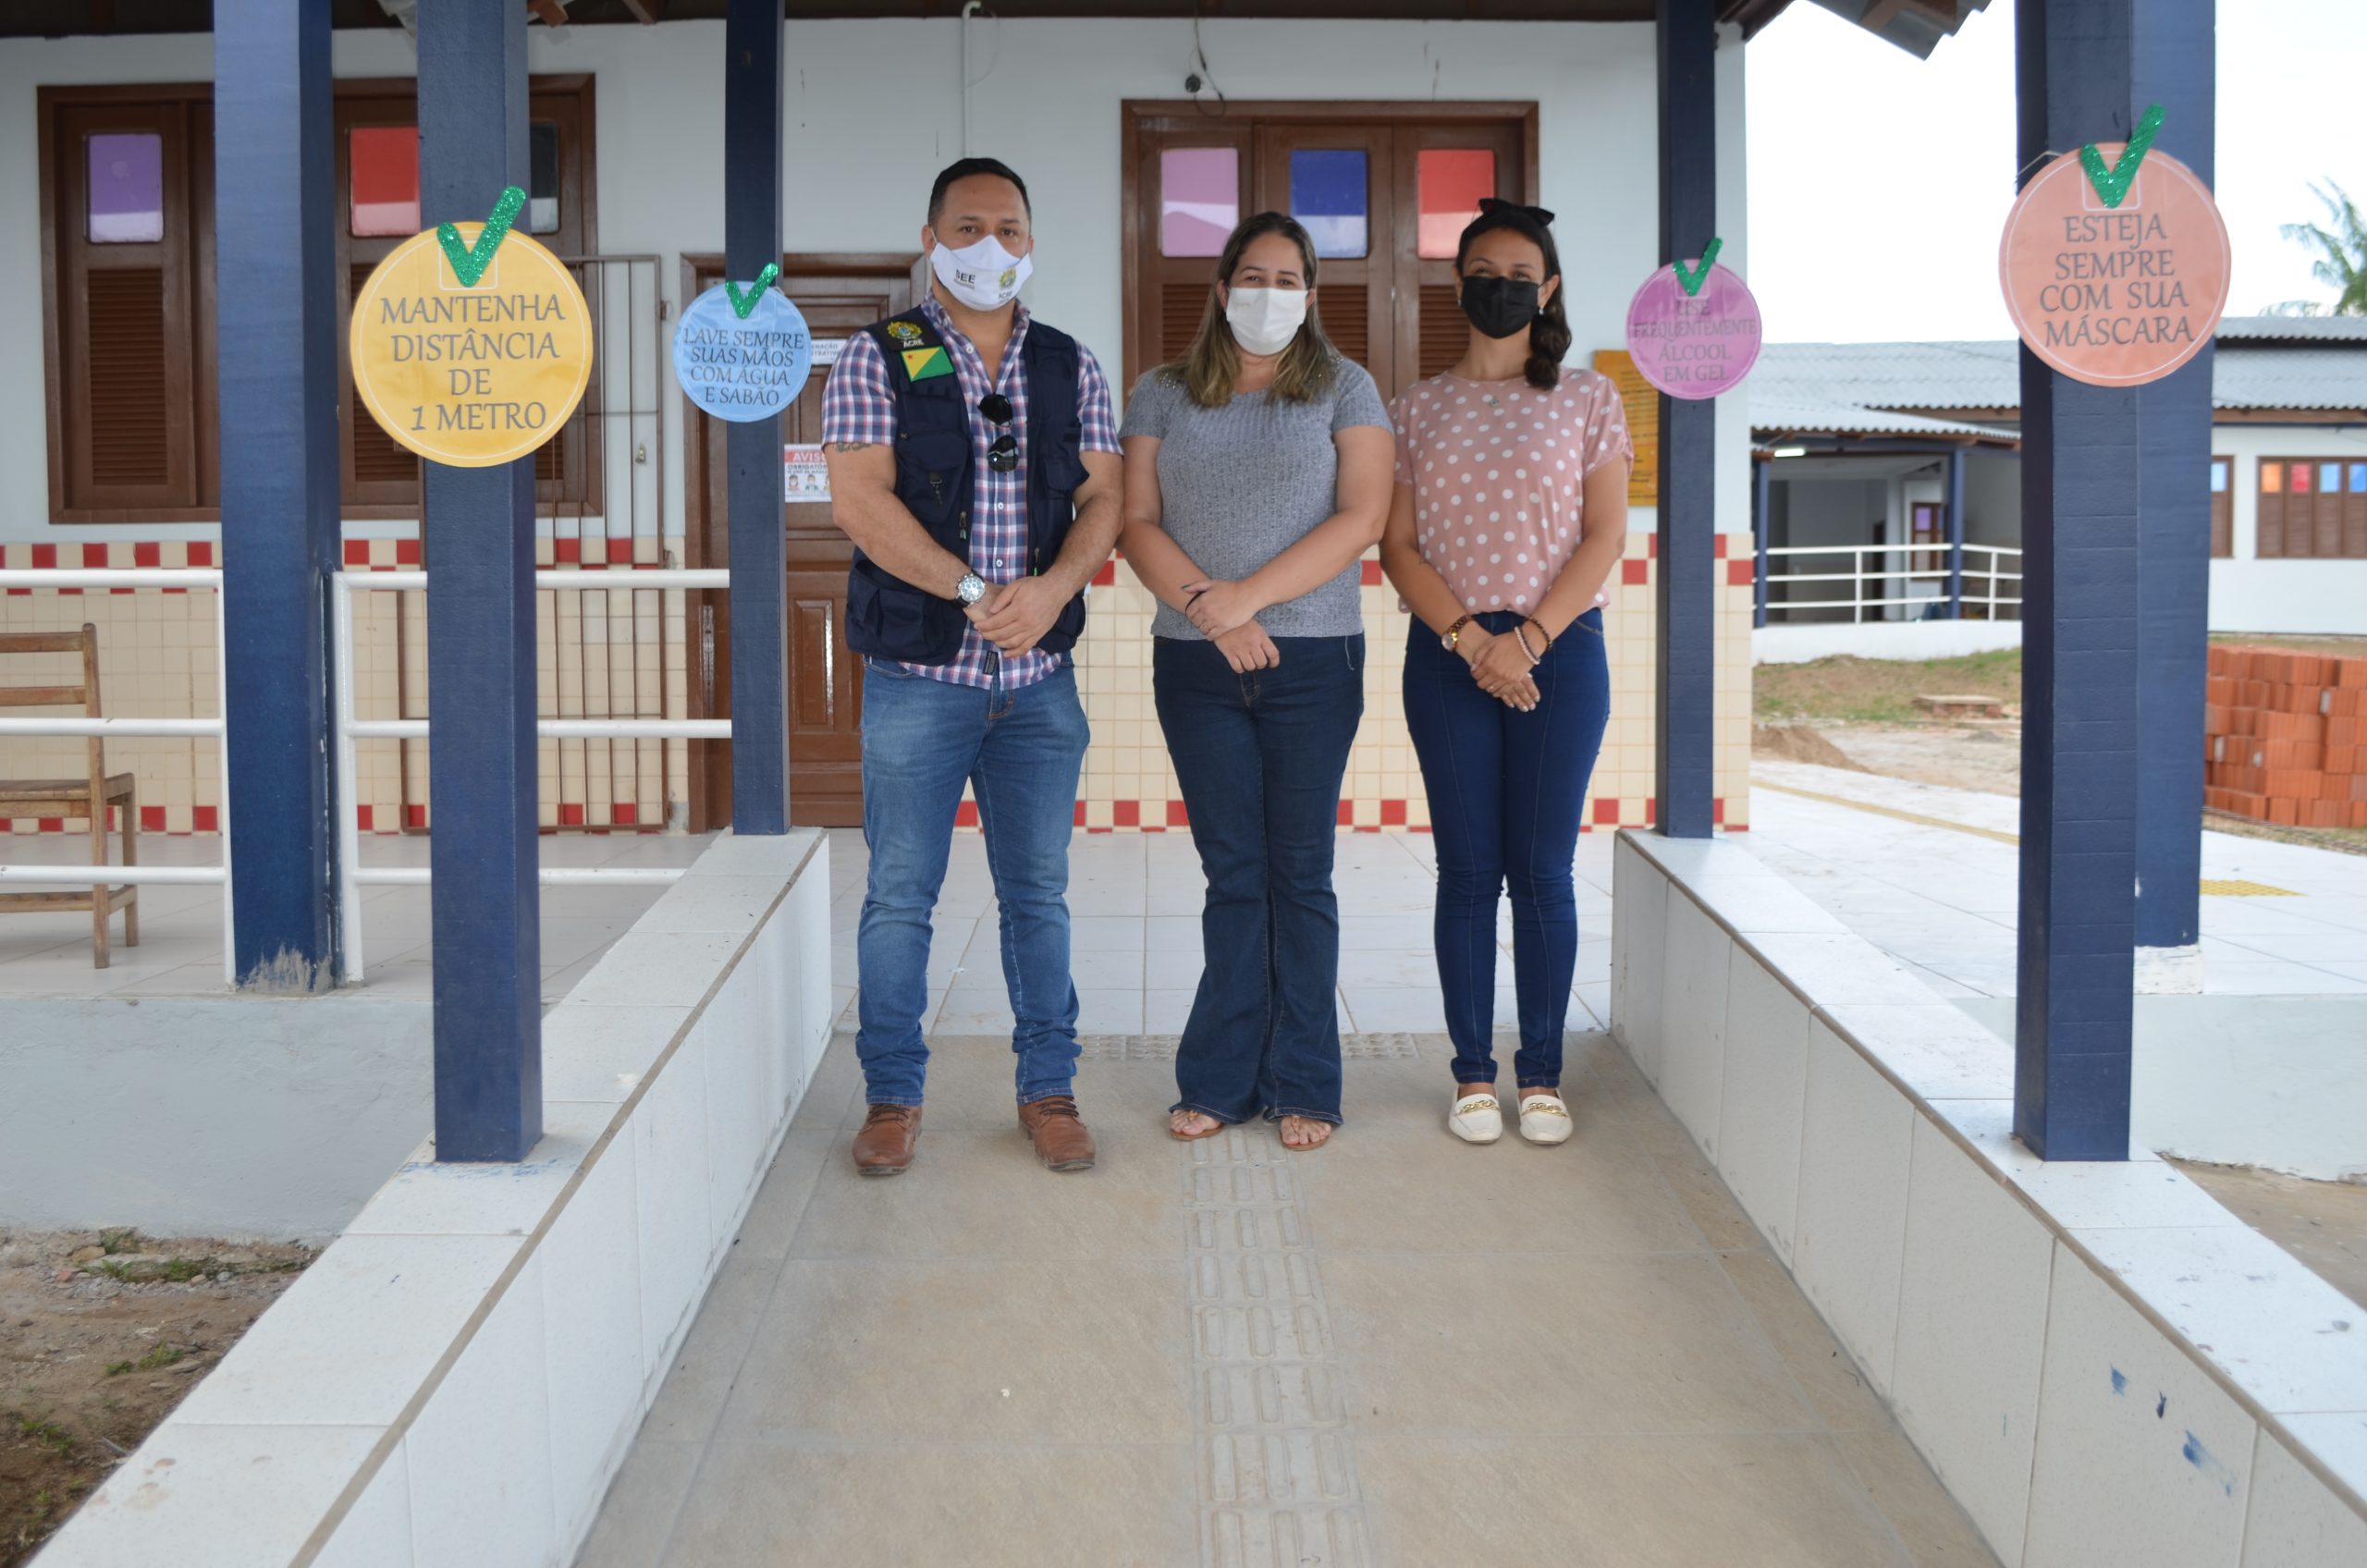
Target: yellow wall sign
1642, 401
466, 377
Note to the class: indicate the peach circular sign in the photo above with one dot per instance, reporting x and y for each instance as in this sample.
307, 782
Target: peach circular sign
2115, 296
471, 376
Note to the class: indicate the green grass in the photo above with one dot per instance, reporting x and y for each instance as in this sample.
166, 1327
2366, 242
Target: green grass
46, 1435
162, 1357
179, 1271
1847, 689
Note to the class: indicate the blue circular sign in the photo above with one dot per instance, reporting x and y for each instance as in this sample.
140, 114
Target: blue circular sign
742, 368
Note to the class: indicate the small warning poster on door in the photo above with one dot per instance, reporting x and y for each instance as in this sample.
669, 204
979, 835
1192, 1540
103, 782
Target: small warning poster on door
805, 476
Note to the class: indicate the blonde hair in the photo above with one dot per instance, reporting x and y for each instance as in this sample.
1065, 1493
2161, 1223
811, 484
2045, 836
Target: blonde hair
1208, 370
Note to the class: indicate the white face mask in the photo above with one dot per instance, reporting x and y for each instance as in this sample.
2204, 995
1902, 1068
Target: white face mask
1265, 320
984, 276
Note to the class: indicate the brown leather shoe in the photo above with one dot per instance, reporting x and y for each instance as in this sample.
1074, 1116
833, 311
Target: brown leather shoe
1061, 1141
884, 1147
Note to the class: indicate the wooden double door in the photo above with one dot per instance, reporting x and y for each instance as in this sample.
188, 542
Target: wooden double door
838, 295
1384, 189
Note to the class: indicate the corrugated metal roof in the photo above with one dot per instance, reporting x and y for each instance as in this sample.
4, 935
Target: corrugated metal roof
2326, 376
1774, 414
2263, 362
1890, 376
2293, 329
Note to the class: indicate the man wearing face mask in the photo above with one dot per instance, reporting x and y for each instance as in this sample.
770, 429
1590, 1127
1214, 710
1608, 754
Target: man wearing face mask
973, 462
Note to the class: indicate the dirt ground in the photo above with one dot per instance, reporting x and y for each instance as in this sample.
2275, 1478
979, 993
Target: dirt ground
1860, 714
101, 1334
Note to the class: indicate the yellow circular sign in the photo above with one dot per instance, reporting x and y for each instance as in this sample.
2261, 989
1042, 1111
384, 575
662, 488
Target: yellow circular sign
471, 376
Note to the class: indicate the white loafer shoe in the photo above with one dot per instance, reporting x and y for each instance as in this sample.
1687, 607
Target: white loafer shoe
1545, 1120
1477, 1119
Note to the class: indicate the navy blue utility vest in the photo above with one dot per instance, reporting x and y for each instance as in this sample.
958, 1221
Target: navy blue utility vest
888, 618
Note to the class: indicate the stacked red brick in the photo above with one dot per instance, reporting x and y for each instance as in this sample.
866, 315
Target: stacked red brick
2286, 736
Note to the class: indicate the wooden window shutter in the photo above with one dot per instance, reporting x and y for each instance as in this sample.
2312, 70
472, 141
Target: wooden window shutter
1441, 330
2222, 506
126, 434
2270, 513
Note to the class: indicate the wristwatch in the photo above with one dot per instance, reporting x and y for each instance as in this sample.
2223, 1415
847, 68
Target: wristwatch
1452, 638
970, 589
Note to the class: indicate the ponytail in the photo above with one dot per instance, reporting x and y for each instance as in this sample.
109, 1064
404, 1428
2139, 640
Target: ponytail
1548, 340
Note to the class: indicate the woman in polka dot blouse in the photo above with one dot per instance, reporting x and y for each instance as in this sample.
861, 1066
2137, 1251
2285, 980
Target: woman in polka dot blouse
1510, 510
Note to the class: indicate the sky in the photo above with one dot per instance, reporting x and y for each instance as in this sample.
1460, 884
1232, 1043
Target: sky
1879, 183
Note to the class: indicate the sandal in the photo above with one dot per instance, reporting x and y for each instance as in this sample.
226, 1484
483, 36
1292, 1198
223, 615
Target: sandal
1180, 1137
1311, 1122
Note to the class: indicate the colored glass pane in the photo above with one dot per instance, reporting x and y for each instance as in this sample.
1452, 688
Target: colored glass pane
386, 179
1327, 196
1199, 200
2218, 478
2300, 476
2271, 478
542, 189
127, 189
2359, 479
1448, 183
2330, 479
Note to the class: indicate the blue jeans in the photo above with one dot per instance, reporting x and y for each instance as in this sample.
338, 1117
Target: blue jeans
921, 739
1505, 790
1260, 758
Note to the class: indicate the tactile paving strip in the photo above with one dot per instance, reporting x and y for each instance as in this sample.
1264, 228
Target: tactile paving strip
1162, 1047
1277, 1458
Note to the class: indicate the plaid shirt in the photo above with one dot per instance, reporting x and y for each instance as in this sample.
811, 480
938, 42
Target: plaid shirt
858, 404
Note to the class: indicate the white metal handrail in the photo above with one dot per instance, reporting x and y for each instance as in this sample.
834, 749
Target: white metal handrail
183, 577
353, 877
1989, 564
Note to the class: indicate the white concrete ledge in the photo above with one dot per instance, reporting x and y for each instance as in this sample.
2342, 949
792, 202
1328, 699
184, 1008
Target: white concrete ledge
458, 1376
2101, 1362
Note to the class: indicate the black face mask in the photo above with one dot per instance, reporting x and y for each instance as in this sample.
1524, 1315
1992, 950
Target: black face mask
1498, 306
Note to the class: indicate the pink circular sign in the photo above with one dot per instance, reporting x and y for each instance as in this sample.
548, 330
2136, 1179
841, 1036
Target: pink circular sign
1694, 345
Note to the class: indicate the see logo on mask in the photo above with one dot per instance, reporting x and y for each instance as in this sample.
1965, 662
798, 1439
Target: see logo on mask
1498, 306
984, 276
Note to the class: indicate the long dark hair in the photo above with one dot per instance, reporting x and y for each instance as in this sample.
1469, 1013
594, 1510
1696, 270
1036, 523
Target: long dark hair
1214, 360
1549, 335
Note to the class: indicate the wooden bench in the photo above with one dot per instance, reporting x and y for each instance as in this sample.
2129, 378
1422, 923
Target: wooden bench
89, 797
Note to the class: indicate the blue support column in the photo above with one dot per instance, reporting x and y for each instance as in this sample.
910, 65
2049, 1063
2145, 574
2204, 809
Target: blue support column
1763, 487
2174, 68
752, 177
480, 532
275, 215
2082, 471
1686, 593
1955, 535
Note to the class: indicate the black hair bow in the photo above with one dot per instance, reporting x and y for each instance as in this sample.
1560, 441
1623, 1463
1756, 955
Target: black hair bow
1489, 205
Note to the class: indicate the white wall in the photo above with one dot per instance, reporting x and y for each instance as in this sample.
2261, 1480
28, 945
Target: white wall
2251, 595
874, 110
1993, 499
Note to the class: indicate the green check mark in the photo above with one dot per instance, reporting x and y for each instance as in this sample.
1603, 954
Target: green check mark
744, 303
2112, 183
1691, 281
469, 262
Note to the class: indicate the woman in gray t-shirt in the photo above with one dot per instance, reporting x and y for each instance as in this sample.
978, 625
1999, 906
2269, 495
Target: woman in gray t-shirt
1257, 474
